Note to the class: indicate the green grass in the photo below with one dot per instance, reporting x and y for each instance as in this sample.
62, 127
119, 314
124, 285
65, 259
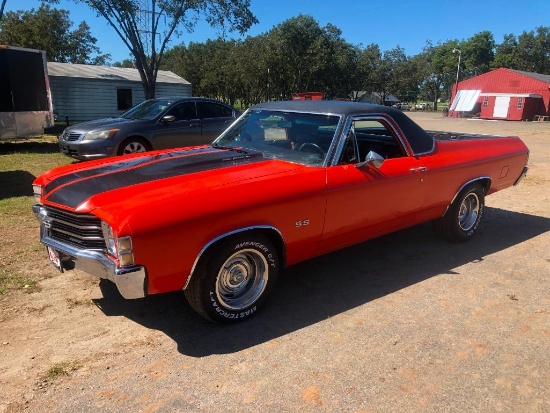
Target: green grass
21, 161
60, 369
9, 281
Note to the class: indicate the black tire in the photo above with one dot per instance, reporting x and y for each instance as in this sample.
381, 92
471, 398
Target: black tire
234, 278
133, 145
463, 217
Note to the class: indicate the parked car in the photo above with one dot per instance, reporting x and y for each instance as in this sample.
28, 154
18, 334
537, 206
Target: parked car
166, 122
402, 106
288, 181
422, 106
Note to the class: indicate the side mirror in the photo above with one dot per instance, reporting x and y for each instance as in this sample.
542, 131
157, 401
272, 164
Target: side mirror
168, 118
373, 159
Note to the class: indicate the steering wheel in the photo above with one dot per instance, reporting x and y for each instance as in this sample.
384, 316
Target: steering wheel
305, 145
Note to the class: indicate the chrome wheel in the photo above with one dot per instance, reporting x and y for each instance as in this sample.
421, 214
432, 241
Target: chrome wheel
242, 279
468, 211
133, 147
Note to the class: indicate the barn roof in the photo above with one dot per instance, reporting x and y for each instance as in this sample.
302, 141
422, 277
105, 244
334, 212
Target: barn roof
108, 72
538, 76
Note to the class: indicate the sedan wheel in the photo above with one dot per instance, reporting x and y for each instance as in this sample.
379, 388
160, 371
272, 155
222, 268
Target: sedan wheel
133, 145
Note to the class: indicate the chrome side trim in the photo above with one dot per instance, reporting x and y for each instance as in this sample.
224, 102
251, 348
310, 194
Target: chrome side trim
523, 173
488, 178
238, 231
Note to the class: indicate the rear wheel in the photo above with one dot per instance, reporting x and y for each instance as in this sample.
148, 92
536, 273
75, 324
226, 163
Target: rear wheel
234, 278
463, 217
133, 145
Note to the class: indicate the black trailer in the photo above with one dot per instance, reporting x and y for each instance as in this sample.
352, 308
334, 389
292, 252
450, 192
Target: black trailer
25, 99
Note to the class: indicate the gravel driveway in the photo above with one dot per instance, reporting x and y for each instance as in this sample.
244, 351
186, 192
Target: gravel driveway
404, 323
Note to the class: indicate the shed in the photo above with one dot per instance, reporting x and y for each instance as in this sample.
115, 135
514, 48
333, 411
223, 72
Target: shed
86, 92
376, 98
503, 94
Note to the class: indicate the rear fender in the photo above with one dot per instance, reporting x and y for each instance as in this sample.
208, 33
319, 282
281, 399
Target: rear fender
484, 181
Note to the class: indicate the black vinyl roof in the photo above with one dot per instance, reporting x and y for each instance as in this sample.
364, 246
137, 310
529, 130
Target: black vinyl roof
420, 141
335, 107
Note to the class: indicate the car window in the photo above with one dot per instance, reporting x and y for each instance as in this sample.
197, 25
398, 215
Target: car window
148, 109
369, 135
183, 111
213, 110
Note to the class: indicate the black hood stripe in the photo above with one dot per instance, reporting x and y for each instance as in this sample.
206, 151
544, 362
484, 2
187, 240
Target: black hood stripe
74, 193
119, 166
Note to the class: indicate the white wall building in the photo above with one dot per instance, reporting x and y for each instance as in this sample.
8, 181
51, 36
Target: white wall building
86, 92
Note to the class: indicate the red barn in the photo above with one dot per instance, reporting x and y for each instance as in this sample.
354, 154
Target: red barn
503, 94
308, 96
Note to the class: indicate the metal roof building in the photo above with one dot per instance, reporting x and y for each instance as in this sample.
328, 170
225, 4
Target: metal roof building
503, 94
86, 92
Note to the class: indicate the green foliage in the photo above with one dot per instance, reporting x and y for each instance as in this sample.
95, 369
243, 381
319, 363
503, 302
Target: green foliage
49, 29
299, 55
530, 51
167, 18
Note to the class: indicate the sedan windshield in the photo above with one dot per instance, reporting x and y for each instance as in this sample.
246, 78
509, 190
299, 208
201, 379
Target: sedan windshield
148, 109
296, 137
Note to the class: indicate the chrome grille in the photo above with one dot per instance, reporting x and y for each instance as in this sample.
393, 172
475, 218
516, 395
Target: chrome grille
79, 230
71, 137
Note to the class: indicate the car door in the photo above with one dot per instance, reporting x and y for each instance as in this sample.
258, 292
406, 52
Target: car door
215, 118
364, 201
183, 130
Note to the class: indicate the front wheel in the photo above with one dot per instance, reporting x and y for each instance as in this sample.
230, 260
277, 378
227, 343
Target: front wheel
462, 219
133, 145
234, 278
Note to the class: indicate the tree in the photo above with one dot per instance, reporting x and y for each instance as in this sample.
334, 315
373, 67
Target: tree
2, 5
530, 51
127, 63
478, 53
49, 30
164, 19
438, 67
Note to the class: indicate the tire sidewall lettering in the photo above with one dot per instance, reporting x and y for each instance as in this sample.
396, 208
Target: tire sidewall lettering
227, 314
260, 247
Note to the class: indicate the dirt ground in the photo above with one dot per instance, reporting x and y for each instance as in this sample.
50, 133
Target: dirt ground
404, 323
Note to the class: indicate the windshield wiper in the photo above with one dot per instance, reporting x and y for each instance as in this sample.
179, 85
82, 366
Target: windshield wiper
230, 148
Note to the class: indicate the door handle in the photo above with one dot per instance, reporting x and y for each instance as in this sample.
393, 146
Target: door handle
419, 169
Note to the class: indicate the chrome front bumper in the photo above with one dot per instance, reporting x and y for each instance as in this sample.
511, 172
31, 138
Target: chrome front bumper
130, 281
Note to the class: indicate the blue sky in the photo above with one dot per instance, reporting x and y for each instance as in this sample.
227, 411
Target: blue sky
388, 23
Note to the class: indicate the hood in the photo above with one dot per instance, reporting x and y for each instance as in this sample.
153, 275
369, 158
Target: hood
171, 171
98, 123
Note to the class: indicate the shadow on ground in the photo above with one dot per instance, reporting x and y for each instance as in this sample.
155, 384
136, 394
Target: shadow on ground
326, 286
28, 146
15, 184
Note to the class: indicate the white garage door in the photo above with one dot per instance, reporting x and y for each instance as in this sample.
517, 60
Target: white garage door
501, 107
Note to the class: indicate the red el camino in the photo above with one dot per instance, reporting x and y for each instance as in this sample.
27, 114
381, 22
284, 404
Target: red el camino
288, 181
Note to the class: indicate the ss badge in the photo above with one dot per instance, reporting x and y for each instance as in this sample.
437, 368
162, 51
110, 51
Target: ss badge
303, 223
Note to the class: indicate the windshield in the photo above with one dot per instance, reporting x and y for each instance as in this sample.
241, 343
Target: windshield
296, 137
148, 109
